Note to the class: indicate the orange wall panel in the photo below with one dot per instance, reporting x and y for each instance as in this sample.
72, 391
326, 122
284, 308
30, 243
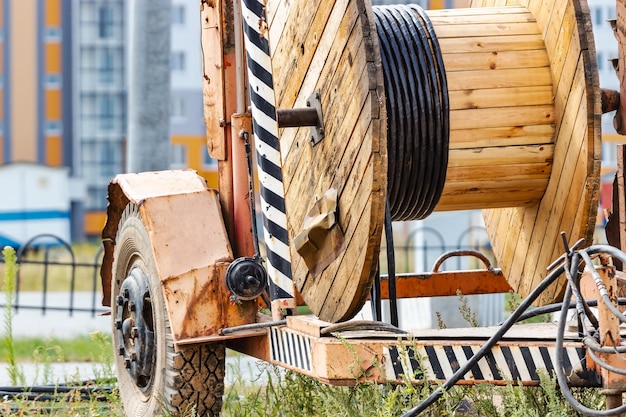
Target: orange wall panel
53, 104
436, 4
53, 151
53, 13
94, 222
53, 58
23, 62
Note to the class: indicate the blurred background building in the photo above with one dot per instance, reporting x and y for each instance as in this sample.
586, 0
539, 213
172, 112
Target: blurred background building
64, 68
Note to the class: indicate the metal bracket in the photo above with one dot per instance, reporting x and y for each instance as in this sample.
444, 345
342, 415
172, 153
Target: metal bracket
305, 116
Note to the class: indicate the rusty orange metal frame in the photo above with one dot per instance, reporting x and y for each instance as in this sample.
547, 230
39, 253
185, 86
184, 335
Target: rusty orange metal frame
350, 357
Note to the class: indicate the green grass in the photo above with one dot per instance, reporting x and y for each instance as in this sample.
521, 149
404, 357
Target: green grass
87, 348
278, 393
59, 276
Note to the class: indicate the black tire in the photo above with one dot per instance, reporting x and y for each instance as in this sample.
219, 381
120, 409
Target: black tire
153, 378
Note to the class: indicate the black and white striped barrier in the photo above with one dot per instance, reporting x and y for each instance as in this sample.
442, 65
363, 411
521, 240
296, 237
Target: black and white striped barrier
269, 161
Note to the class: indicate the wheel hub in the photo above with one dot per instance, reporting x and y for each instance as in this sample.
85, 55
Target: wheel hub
134, 325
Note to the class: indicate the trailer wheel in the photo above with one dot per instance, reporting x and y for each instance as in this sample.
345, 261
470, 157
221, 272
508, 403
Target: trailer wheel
152, 376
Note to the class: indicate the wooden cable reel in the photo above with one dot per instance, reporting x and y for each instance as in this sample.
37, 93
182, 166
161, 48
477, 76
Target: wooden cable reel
523, 144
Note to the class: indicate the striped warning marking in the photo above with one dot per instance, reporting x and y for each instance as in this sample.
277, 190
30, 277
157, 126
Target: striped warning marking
501, 363
261, 91
290, 348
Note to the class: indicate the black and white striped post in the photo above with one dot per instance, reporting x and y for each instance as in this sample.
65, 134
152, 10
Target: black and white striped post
265, 126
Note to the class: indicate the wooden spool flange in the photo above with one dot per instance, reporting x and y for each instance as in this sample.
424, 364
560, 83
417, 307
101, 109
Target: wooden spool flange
331, 47
526, 240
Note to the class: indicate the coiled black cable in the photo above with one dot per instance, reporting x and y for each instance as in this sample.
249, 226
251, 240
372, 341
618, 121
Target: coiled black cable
418, 110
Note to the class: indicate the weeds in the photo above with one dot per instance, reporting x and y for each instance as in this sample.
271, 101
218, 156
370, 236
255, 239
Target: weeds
15, 373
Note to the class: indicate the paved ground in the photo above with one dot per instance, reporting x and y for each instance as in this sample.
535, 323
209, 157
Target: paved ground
30, 322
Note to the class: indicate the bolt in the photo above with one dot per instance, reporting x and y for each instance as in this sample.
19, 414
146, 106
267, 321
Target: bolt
133, 357
126, 293
127, 363
120, 300
118, 324
121, 350
134, 332
131, 306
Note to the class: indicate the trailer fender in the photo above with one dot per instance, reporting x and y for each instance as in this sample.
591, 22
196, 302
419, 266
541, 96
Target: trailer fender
190, 246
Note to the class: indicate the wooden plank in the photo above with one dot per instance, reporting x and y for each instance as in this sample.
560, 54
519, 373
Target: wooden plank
213, 80
487, 29
315, 160
503, 59
294, 50
276, 21
510, 77
509, 172
498, 117
491, 44
321, 290
327, 57
502, 136
295, 142
478, 10
501, 155
478, 195
530, 233
563, 46
500, 97
514, 199
552, 207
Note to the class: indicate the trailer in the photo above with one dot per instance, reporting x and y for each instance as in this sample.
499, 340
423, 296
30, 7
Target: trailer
360, 116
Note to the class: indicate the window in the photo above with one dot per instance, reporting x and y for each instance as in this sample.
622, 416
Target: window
178, 61
106, 113
105, 22
53, 81
208, 161
601, 62
178, 156
178, 14
177, 108
598, 15
106, 66
52, 34
53, 127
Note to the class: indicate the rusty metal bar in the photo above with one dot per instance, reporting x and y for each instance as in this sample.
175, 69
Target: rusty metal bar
610, 100
447, 283
305, 116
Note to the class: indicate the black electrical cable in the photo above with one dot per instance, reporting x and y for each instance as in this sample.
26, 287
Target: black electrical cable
375, 297
519, 313
552, 308
560, 374
417, 110
491, 342
391, 269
